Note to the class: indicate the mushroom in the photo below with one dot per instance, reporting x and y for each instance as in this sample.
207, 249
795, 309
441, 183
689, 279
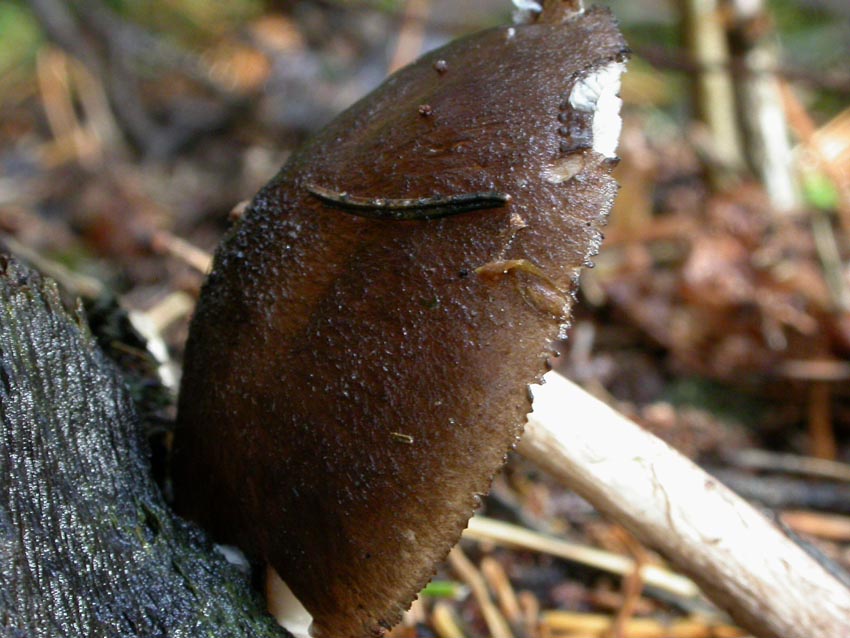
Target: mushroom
358, 365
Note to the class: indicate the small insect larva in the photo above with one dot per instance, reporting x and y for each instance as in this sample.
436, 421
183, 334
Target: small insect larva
409, 208
402, 438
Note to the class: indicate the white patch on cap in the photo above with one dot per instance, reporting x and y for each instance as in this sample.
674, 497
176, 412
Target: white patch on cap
597, 93
525, 11
528, 5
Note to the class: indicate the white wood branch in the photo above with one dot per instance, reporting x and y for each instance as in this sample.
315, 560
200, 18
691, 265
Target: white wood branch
741, 559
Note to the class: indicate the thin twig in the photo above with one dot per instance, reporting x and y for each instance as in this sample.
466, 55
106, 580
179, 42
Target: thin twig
500, 585
482, 528
804, 128
832, 527
531, 613
197, 258
445, 621
821, 434
173, 307
781, 492
715, 94
632, 585
761, 110
567, 624
815, 369
791, 463
829, 253
411, 34
464, 568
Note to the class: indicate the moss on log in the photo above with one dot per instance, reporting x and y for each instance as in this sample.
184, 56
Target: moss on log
88, 547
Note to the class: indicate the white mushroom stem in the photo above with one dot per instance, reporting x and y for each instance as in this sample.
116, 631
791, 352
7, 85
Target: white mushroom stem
285, 607
741, 560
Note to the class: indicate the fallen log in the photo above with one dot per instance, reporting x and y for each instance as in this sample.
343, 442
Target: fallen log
88, 546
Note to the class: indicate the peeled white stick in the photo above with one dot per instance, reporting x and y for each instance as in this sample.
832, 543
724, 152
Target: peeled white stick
741, 560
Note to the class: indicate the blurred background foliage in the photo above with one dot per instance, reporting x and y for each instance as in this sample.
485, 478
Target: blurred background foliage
128, 127
718, 313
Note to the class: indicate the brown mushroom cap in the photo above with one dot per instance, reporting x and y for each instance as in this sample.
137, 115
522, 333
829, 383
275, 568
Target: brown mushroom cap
351, 383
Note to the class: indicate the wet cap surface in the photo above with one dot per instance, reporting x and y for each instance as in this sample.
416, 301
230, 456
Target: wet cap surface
353, 381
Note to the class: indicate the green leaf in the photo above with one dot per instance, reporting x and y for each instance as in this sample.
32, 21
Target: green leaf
820, 191
444, 589
20, 37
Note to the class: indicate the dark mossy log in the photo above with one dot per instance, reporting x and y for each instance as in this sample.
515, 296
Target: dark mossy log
88, 546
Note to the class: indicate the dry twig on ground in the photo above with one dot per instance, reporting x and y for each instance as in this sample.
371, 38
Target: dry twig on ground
741, 559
